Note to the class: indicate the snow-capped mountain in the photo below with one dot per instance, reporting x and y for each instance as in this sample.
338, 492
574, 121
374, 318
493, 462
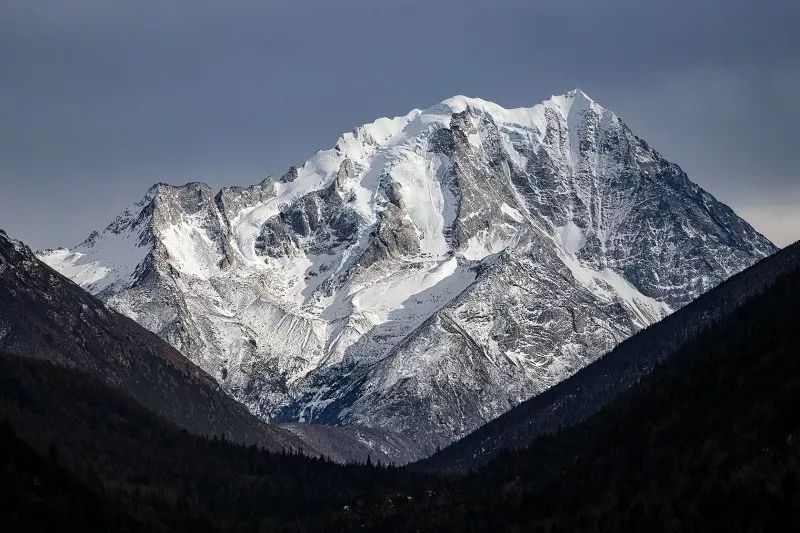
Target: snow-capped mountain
428, 272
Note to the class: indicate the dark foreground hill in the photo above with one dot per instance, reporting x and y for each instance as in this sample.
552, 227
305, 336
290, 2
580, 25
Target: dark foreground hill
79, 452
708, 441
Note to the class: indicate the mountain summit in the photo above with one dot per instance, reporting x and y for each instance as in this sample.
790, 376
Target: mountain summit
427, 272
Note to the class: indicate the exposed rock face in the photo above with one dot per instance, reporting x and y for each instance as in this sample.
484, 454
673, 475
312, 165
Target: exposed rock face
426, 274
600, 383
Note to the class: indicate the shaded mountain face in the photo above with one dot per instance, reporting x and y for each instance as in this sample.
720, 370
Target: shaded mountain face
45, 316
428, 272
600, 383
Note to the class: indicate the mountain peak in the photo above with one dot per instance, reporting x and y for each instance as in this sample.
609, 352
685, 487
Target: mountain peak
574, 101
577, 92
570, 105
429, 233
459, 102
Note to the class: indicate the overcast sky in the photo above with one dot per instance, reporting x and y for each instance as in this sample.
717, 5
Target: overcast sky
101, 99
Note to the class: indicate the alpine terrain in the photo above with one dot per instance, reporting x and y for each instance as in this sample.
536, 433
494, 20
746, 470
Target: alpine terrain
707, 441
45, 316
425, 274
599, 384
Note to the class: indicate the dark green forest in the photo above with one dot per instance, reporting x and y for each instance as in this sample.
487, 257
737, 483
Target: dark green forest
710, 441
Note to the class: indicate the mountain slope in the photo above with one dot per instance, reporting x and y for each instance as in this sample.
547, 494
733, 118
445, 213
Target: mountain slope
45, 316
586, 392
705, 442
428, 272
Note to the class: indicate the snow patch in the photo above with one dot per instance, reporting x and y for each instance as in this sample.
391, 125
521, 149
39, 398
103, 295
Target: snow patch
484, 243
606, 284
191, 249
512, 212
399, 294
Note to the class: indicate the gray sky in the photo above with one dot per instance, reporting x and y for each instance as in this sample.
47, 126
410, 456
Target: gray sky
101, 99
